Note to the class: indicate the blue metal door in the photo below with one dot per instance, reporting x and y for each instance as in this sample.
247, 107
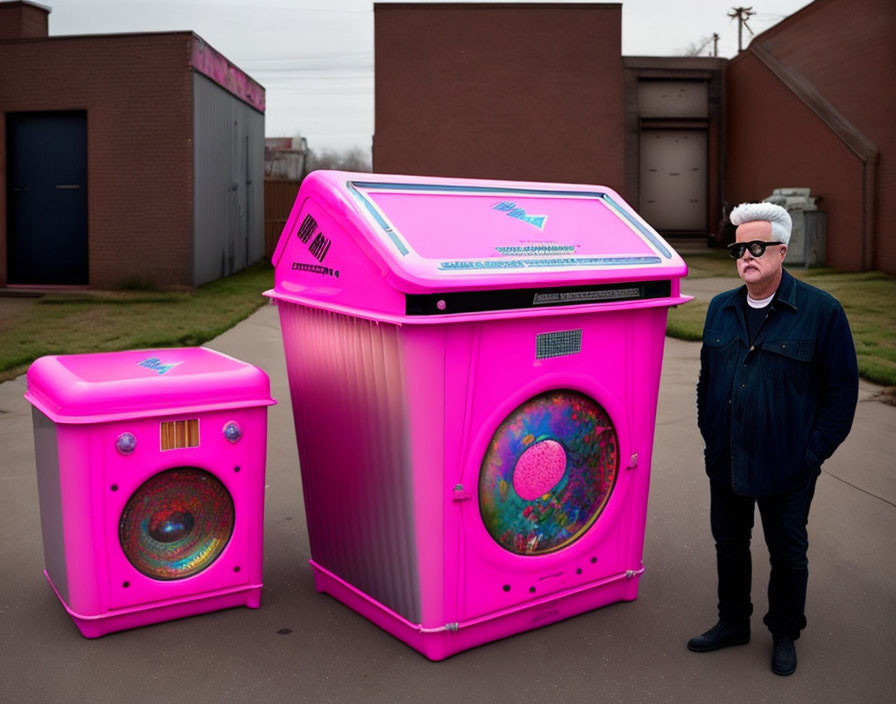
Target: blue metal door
47, 197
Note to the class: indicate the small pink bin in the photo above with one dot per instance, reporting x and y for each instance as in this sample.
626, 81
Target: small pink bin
150, 473
474, 368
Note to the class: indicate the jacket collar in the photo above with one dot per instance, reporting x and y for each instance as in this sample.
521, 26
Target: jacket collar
786, 290
786, 293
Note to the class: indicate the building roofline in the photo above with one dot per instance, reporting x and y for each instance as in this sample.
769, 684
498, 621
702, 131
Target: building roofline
204, 59
499, 5
39, 6
800, 14
212, 64
702, 62
105, 35
803, 89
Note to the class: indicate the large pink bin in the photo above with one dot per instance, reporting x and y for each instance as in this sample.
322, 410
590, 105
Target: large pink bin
150, 474
474, 368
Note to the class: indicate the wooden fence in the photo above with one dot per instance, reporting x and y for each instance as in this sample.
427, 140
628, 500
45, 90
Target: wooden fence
279, 195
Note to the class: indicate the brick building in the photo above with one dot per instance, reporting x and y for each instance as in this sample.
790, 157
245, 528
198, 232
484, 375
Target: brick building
810, 104
532, 92
541, 92
125, 159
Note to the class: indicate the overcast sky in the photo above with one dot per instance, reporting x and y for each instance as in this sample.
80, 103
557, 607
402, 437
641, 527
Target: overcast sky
315, 57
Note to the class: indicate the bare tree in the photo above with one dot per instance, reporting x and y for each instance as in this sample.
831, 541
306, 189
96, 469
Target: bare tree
354, 159
697, 48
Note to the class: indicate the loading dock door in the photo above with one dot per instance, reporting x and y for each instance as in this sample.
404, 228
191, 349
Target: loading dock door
673, 179
47, 198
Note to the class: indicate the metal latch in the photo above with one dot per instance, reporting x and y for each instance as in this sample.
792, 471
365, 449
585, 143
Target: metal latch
461, 494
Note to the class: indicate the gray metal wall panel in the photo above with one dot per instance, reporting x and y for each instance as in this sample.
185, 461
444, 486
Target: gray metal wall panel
228, 182
255, 134
674, 179
49, 490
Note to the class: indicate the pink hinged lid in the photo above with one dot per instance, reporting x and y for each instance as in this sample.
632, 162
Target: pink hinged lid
105, 386
352, 235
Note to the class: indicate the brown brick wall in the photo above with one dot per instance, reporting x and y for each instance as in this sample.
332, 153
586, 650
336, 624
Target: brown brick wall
19, 20
137, 91
845, 50
531, 92
775, 141
842, 47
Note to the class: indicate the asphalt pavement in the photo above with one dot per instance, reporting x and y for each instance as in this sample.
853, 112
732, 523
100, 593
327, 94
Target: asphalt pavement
302, 646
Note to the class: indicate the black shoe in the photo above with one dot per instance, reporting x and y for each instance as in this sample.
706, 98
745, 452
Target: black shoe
783, 656
723, 634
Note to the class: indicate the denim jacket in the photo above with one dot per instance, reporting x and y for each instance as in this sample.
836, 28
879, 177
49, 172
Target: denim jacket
771, 413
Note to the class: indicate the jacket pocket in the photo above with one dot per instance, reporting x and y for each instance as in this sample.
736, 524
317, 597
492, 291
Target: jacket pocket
716, 338
788, 361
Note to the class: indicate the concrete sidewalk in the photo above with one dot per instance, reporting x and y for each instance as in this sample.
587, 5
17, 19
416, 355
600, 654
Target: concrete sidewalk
704, 289
306, 647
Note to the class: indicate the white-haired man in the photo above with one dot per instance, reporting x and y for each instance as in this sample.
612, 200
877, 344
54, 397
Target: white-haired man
776, 395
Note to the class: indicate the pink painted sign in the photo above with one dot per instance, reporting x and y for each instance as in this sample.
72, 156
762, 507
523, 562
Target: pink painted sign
216, 66
433, 229
509, 225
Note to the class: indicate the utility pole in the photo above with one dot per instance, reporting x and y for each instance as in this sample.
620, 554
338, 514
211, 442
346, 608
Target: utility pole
715, 43
741, 14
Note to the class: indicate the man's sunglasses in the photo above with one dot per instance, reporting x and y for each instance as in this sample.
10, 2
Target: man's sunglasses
756, 247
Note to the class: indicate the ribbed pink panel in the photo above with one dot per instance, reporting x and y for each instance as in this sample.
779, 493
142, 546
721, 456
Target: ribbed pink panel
347, 385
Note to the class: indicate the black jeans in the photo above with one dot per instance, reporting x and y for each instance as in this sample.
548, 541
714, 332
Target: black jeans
784, 519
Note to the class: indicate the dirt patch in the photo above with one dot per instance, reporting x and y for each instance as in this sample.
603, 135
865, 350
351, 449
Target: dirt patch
887, 395
12, 308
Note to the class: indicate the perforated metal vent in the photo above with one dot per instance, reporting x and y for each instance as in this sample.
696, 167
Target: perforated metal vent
558, 344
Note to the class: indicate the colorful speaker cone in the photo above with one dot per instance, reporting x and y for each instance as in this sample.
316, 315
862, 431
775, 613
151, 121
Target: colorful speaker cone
547, 472
177, 523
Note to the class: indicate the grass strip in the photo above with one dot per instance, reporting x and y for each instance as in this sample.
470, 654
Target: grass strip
869, 299
97, 321
104, 321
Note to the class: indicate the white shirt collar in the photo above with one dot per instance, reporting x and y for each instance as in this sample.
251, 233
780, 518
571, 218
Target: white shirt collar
761, 303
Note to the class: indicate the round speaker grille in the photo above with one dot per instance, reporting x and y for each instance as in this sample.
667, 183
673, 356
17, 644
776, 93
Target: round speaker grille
547, 472
177, 523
